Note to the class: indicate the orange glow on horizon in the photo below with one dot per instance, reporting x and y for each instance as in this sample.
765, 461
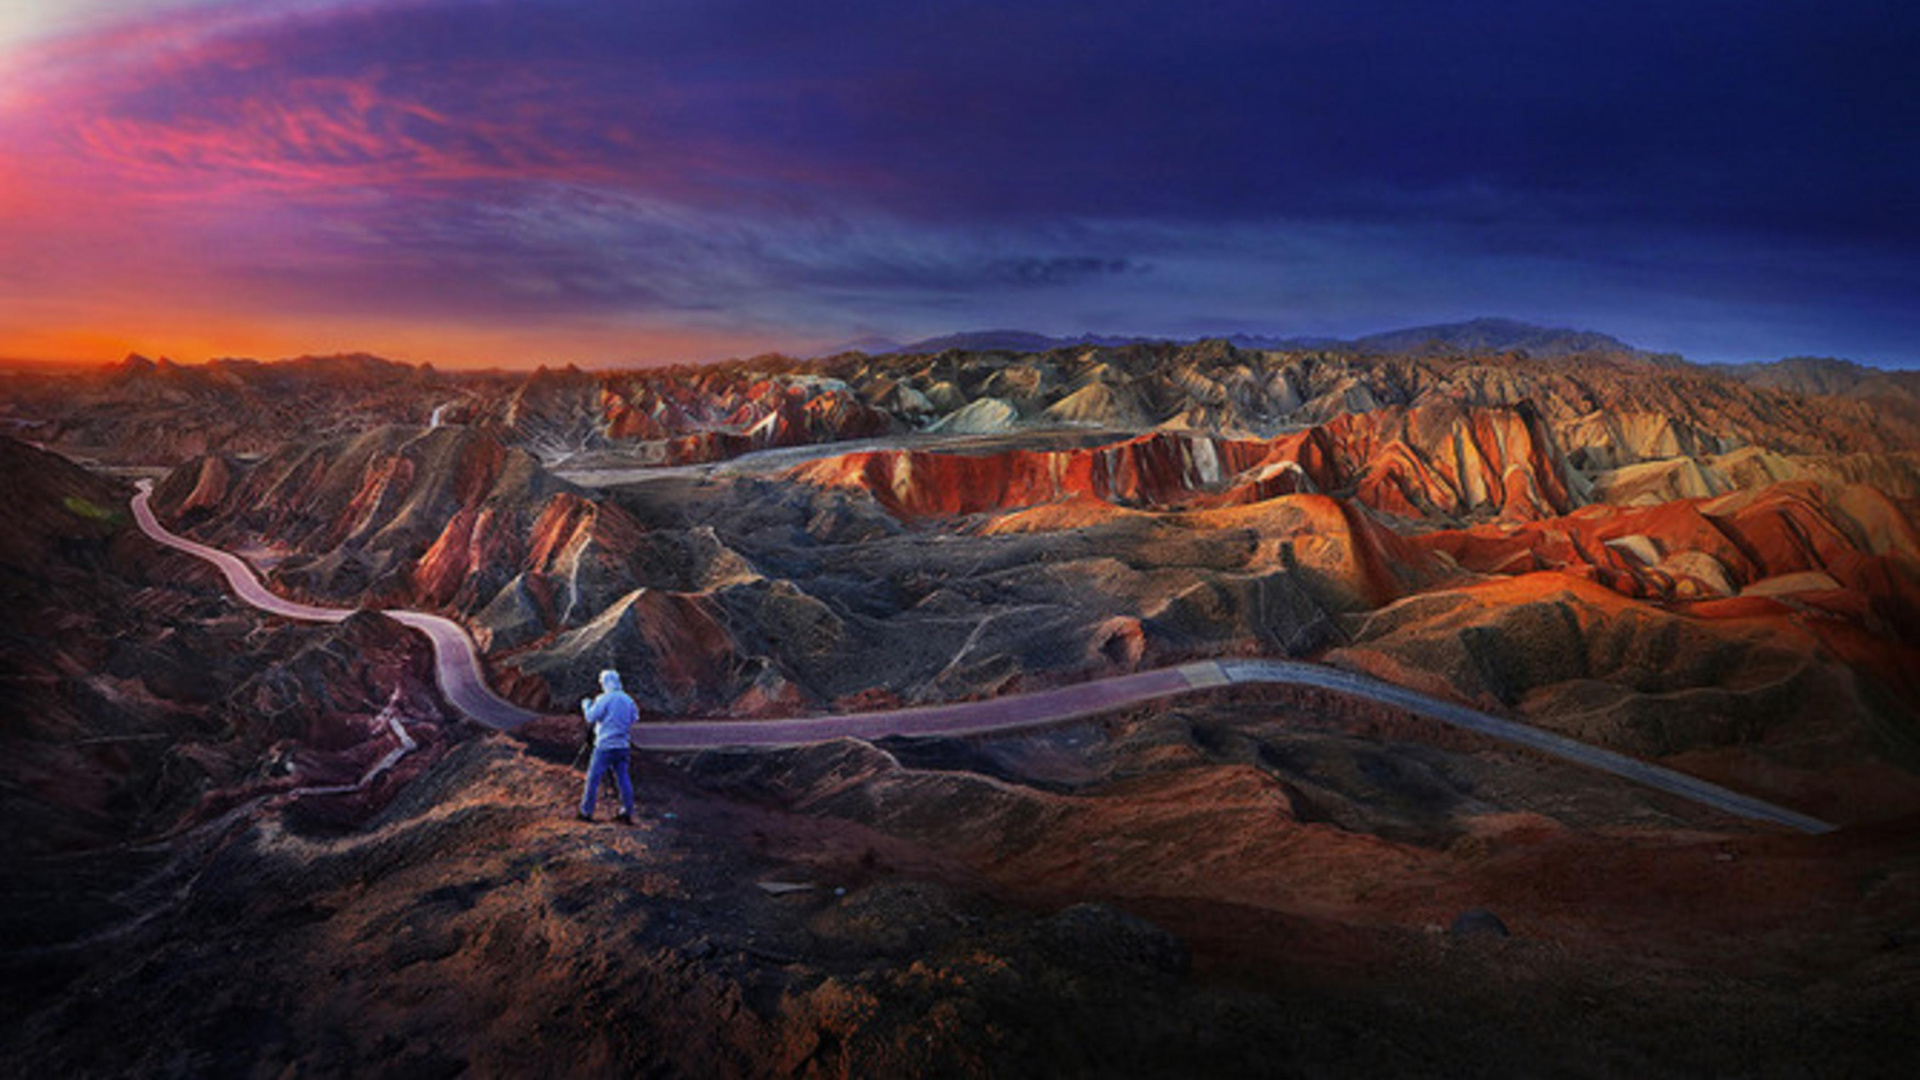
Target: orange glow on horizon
443, 346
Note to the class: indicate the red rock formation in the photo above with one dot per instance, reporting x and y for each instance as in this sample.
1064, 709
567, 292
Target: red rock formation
767, 414
445, 565
445, 518
1438, 460
1865, 545
567, 532
689, 652
382, 489
672, 649
1157, 469
1356, 561
1120, 642
625, 422
210, 486
561, 530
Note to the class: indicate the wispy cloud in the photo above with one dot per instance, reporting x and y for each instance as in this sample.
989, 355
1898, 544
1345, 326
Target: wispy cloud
745, 169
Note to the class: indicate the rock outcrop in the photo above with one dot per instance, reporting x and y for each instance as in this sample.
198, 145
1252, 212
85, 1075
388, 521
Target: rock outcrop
1432, 462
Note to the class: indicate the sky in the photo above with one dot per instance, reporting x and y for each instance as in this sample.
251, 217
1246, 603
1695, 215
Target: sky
513, 182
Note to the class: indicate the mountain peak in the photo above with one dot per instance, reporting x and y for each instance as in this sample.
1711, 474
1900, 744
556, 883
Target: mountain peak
1494, 334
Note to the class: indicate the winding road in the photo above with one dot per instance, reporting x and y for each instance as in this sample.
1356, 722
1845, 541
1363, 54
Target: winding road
462, 683
456, 663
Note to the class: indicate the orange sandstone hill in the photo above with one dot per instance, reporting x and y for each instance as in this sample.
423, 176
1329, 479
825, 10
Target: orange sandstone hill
1438, 460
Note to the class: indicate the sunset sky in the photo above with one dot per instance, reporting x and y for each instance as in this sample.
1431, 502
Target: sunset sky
594, 181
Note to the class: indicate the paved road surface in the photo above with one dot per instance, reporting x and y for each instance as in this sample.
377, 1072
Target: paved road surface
781, 458
457, 669
456, 666
239, 575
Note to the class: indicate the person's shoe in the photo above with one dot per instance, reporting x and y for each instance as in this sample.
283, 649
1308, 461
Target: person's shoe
623, 818
578, 816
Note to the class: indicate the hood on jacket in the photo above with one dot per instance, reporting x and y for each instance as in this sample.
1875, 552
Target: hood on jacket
609, 680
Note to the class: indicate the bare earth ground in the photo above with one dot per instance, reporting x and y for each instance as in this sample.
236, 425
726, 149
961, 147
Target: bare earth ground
1251, 884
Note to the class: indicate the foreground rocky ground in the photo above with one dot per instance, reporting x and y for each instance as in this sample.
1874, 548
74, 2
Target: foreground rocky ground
1241, 886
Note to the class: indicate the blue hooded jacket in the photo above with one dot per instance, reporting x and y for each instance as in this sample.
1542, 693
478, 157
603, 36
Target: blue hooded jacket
612, 714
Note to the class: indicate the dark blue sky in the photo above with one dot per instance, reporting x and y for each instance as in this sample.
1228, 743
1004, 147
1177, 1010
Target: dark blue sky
532, 180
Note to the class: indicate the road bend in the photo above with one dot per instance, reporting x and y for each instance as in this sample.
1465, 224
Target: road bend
456, 663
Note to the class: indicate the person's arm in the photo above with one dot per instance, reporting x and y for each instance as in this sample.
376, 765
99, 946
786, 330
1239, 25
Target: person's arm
596, 708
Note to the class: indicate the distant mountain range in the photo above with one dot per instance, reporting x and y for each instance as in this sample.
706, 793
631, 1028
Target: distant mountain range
1827, 375
1494, 335
982, 341
1475, 335
1484, 336
1795, 374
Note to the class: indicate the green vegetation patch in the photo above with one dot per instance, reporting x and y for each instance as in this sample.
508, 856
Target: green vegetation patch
86, 508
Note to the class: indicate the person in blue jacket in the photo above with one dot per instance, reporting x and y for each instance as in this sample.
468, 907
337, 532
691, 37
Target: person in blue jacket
612, 716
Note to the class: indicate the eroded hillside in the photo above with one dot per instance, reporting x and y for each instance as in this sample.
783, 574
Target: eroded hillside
1663, 560
1718, 571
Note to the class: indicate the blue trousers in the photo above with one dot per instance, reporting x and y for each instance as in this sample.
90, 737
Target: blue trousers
604, 760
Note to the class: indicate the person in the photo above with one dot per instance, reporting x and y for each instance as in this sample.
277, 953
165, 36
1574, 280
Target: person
611, 716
